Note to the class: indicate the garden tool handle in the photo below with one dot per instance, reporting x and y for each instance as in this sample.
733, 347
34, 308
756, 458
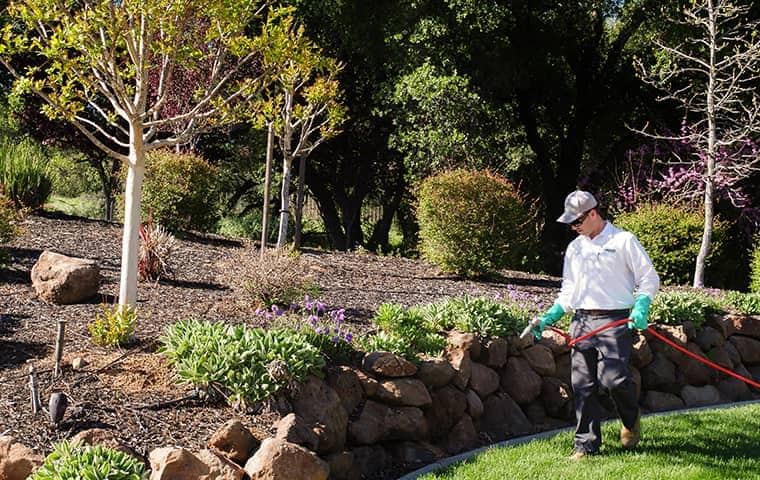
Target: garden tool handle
531, 325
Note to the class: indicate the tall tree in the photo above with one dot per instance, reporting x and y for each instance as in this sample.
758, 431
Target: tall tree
108, 68
713, 76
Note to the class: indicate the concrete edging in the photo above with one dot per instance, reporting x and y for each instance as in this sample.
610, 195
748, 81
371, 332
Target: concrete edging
446, 462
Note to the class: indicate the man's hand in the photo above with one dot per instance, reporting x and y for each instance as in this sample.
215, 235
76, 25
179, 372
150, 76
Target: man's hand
547, 319
640, 313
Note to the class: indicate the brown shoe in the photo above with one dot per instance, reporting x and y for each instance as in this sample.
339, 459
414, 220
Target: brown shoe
630, 438
577, 455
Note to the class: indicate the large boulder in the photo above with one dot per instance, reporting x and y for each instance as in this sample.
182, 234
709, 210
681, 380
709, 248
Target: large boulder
494, 352
474, 404
484, 380
541, 359
317, 403
234, 441
748, 348
746, 325
293, 429
378, 422
520, 381
404, 391
170, 463
448, 407
700, 396
65, 280
709, 338
462, 436
17, 461
435, 372
458, 354
345, 381
278, 459
660, 374
557, 398
503, 418
104, 437
655, 401
641, 356
388, 365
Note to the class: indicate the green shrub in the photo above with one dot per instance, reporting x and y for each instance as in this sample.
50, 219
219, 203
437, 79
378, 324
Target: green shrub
672, 237
744, 303
73, 175
180, 191
245, 364
24, 174
479, 315
754, 268
676, 307
73, 461
473, 223
403, 331
8, 229
113, 327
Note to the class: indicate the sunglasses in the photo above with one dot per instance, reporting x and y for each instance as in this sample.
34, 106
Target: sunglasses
579, 221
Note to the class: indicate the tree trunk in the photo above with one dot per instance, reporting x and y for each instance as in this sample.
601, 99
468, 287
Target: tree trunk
267, 181
299, 203
282, 237
132, 199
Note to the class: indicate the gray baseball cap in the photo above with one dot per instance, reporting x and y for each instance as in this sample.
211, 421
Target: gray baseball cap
576, 204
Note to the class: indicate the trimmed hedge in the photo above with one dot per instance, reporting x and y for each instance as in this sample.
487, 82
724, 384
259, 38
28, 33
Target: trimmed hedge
473, 223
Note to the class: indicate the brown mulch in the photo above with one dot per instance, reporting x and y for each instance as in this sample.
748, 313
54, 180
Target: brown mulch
120, 389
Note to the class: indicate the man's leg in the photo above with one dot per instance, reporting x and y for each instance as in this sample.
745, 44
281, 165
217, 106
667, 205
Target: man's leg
615, 347
588, 435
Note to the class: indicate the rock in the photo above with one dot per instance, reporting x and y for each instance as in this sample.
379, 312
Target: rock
749, 349
294, 429
458, 356
378, 422
695, 372
722, 323
170, 463
641, 356
535, 413
415, 454
317, 403
346, 383
234, 441
17, 461
435, 372
676, 334
466, 342
541, 359
503, 418
494, 352
65, 280
660, 374
405, 423
700, 396
78, 363
556, 342
733, 353
57, 406
388, 365
343, 467
520, 381
368, 383
404, 391
734, 389
370, 427
462, 437
557, 398
709, 338
747, 325
277, 459
655, 401
564, 368
448, 407
370, 460
720, 356
483, 380
474, 404
105, 437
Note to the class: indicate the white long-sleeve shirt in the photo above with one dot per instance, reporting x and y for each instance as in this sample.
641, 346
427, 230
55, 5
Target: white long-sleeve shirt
606, 272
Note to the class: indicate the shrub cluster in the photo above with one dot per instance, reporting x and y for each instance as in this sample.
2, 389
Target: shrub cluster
25, 176
672, 237
473, 223
244, 364
479, 315
68, 461
676, 307
156, 248
8, 230
180, 191
754, 268
403, 331
744, 303
114, 327
276, 278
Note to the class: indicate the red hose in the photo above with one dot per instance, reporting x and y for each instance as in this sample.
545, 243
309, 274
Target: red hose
667, 341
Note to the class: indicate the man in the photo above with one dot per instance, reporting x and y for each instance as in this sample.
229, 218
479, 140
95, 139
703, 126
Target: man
607, 276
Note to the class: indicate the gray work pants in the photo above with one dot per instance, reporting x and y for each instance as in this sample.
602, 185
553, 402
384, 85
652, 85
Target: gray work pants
601, 361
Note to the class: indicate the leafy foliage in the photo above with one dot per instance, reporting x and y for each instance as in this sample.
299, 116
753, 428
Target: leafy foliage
69, 461
276, 278
744, 303
473, 223
8, 229
754, 268
479, 315
25, 175
403, 331
676, 307
671, 236
180, 191
245, 364
156, 248
114, 326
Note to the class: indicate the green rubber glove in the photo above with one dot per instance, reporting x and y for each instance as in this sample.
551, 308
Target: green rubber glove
549, 318
640, 313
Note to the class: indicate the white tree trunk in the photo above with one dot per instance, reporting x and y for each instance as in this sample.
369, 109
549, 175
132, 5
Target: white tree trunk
267, 181
282, 237
297, 224
132, 197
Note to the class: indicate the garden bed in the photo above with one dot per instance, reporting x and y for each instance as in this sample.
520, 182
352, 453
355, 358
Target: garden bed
115, 395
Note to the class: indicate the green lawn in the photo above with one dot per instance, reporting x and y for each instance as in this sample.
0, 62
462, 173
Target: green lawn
716, 444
